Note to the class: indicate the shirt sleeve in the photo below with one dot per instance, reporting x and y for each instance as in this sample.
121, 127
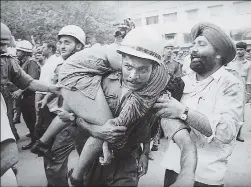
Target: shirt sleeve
228, 113
18, 76
33, 70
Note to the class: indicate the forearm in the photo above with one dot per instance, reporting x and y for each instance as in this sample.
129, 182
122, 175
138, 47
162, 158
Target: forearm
36, 85
199, 121
49, 97
188, 160
91, 128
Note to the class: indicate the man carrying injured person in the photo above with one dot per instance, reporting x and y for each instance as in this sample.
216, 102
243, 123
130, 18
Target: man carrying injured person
145, 79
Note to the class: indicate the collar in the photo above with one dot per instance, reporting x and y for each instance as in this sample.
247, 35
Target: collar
218, 74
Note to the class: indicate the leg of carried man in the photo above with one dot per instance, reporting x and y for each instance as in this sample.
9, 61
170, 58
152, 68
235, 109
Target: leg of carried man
88, 109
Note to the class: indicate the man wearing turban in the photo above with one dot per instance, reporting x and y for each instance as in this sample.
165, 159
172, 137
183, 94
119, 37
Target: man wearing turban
211, 105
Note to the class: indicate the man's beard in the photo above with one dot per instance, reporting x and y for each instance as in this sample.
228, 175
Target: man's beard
202, 64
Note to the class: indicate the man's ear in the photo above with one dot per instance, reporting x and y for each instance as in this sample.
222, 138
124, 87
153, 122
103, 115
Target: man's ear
50, 49
79, 46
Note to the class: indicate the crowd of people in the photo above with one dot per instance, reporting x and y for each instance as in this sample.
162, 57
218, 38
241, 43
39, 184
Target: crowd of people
109, 102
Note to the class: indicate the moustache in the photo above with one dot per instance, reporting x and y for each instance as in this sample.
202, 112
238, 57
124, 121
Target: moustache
192, 56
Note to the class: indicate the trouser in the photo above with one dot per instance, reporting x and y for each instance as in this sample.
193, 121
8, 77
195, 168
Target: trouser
248, 93
122, 171
9, 155
56, 170
29, 113
171, 176
10, 113
8, 179
17, 110
43, 120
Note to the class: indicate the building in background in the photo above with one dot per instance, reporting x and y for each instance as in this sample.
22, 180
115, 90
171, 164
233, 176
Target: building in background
174, 19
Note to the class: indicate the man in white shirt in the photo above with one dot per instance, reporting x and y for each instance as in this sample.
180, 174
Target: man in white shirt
211, 105
45, 115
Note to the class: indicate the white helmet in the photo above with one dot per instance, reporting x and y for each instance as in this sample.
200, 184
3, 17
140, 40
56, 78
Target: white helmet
75, 31
24, 45
143, 42
169, 43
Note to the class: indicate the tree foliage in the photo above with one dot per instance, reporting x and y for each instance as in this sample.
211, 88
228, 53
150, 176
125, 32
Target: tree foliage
43, 19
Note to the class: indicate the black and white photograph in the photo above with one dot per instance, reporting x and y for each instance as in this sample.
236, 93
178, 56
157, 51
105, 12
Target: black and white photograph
125, 93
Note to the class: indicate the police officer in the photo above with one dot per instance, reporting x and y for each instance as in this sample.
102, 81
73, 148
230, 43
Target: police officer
27, 102
173, 66
13, 75
130, 162
71, 39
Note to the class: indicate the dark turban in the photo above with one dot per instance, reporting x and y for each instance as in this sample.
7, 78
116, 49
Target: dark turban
242, 45
218, 38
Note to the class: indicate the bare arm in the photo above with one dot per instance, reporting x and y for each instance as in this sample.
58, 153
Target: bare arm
171, 108
36, 85
188, 160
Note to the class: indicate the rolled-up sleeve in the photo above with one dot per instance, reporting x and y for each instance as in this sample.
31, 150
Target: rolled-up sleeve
19, 77
228, 113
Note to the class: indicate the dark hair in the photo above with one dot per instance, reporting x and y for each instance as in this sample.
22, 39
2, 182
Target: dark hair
242, 45
51, 45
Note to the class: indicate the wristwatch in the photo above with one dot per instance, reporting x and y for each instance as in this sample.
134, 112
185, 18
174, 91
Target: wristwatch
184, 115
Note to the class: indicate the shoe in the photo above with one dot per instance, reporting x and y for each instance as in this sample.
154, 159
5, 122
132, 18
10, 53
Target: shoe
154, 148
240, 139
74, 182
41, 150
25, 147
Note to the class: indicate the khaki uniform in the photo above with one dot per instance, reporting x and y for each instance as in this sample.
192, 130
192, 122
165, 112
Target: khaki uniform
12, 75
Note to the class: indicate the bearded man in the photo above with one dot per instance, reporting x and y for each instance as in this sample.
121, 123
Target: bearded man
212, 101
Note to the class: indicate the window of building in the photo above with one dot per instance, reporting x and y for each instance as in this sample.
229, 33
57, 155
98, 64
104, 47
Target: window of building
192, 14
152, 20
215, 10
170, 36
171, 17
240, 34
137, 22
187, 38
242, 7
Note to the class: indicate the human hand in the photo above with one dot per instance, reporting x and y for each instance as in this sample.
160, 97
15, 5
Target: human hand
168, 107
64, 115
55, 89
42, 103
143, 165
110, 132
17, 94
